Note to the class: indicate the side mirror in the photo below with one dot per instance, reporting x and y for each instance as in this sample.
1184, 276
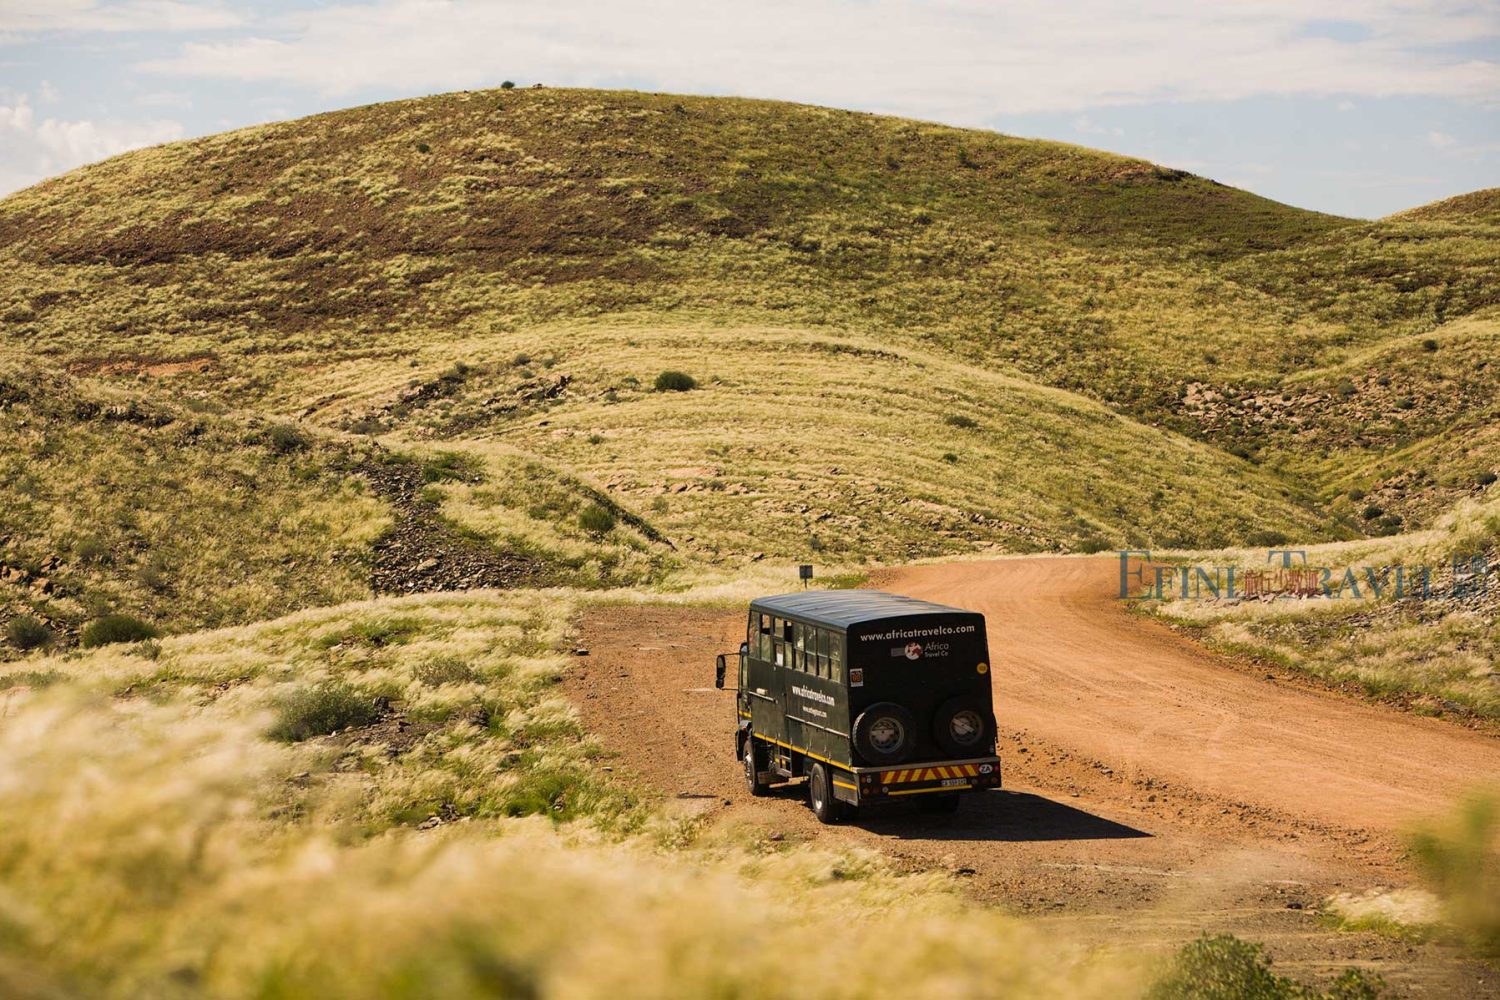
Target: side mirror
719, 671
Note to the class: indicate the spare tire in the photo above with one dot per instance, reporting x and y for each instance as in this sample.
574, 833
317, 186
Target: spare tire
963, 727
885, 733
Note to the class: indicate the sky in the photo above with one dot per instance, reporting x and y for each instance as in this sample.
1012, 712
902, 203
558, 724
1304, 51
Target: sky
1355, 108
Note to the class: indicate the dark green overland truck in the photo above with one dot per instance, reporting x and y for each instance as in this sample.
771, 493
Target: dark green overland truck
871, 696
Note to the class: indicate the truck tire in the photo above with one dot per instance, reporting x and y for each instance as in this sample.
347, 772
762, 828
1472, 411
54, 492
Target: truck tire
963, 727
751, 760
820, 795
885, 733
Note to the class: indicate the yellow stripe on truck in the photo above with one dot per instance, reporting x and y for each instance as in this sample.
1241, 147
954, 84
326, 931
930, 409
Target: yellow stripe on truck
923, 791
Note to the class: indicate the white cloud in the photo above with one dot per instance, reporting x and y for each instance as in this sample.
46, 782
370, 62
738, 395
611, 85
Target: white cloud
958, 60
27, 17
165, 99
33, 148
1441, 140
1086, 125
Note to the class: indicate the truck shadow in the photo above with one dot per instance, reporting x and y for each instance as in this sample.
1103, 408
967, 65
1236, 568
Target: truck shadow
997, 815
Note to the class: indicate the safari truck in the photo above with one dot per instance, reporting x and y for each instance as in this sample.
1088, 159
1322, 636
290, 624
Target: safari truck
871, 696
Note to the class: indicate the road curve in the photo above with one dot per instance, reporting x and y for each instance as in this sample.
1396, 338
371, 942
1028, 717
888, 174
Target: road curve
1073, 665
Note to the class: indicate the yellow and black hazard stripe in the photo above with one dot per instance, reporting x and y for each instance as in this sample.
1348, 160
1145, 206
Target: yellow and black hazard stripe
935, 773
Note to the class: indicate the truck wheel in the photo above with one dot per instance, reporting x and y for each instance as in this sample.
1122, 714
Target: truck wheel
885, 733
963, 727
753, 784
820, 795
943, 802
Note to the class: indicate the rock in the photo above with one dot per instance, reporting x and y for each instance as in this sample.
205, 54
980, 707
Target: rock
1294, 905
425, 565
580, 651
429, 823
42, 584
777, 837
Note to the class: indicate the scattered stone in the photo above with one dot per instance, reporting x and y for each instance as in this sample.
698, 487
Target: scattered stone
429, 823
580, 651
776, 837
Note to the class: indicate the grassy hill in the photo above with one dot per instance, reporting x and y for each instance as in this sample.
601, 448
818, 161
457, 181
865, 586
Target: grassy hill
495, 352
909, 340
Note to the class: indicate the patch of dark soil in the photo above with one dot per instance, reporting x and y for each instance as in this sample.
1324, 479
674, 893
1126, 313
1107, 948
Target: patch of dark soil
395, 732
423, 553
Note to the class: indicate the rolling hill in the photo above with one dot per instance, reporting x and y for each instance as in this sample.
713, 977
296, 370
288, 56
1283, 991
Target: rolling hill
907, 340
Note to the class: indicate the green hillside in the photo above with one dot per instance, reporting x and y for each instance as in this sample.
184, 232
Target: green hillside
909, 340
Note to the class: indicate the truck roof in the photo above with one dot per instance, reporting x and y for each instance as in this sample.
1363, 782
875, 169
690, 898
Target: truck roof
842, 608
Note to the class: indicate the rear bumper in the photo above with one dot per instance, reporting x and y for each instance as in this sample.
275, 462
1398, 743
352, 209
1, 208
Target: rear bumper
875, 783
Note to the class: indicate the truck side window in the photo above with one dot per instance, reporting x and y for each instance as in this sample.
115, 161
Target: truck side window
779, 643
799, 640
835, 661
763, 639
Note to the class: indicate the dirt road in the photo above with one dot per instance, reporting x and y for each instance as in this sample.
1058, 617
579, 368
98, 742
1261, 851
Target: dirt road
1073, 665
1141, 774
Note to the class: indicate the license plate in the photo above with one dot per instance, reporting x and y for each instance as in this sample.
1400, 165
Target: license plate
950, 782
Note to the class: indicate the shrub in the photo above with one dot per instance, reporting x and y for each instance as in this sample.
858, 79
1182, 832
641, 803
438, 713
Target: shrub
1429, 345
444, 670
597, 519
1461, 859
284, 439
1090, 544
508, 85
950, 458
1373, 511
422, 147
26, 632
1223, 967
1260, 539
377, 634
1346, 388
1486, 479
321, 710
961, 421
675, 381
116, 628
521, 360
91, 550
155, 574
1356, 495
